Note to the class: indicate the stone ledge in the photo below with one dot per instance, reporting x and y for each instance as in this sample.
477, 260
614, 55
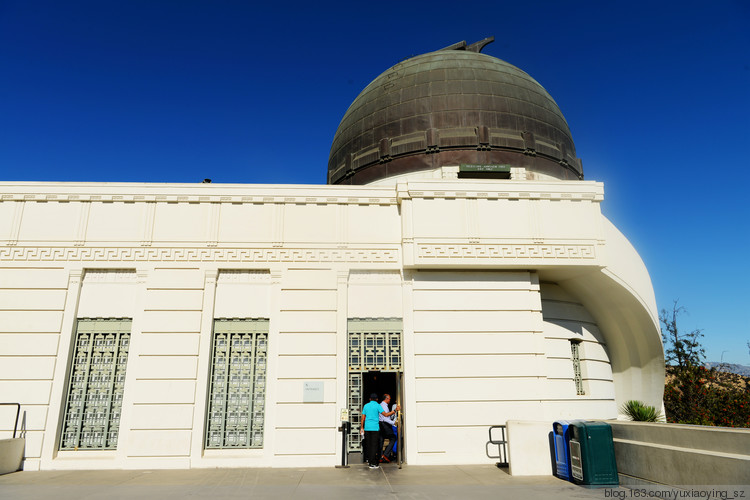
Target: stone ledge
682, 454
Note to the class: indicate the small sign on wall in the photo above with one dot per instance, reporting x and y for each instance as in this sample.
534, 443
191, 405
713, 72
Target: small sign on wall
312, 391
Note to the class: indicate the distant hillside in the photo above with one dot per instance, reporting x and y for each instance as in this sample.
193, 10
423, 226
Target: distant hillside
729, 367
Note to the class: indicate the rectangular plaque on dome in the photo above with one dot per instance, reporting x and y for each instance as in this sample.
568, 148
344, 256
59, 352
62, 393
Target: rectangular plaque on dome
494, 168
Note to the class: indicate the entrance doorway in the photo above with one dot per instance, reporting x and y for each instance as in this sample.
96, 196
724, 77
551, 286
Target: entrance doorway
363, 384
374, 367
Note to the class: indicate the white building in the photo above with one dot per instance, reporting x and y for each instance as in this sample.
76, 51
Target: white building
473, 276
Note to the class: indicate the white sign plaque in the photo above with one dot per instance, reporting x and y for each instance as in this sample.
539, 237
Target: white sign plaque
312, 391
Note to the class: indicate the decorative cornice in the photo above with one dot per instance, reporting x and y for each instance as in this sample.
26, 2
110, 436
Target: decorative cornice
244, 276
505, 195
156, 254
110, 276
366, 199
370, 276
505, 251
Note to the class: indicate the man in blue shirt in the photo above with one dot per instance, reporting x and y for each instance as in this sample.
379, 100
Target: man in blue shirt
370, 427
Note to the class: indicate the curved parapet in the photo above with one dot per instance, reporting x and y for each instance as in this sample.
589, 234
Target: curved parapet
621, 299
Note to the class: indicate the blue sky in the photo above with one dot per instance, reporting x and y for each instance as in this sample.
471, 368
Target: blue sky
657, 96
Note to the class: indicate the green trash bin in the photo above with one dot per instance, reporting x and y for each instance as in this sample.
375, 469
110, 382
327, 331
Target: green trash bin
592, 453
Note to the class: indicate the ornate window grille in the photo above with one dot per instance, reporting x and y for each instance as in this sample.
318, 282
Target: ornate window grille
576, 357
374, 345
97, 380
237, 388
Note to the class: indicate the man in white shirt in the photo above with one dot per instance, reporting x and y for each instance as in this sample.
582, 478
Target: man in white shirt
387, 421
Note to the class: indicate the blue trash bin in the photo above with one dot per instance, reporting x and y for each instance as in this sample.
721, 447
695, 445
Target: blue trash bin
561, 431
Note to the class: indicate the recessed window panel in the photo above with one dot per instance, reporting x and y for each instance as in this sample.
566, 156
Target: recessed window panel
96, 385
237, 387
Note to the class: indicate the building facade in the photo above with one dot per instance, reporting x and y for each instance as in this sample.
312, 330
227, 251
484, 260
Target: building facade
205, 325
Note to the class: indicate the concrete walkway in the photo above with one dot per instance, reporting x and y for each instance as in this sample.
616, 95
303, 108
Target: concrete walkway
411, 482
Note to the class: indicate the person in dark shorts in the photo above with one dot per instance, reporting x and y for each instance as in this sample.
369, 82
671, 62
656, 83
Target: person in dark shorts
370, 428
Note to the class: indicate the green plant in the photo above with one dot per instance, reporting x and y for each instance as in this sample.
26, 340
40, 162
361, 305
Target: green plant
641, 412
694, 394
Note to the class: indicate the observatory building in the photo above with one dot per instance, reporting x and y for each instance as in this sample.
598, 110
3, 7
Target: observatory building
457, 259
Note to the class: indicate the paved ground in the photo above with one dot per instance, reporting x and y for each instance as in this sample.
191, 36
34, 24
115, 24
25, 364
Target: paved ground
411, 482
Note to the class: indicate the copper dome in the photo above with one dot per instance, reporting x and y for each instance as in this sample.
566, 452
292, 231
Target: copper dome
450, 107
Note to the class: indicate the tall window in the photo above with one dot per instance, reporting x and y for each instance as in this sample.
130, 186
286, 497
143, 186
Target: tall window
576, 357
237, 389
97, 381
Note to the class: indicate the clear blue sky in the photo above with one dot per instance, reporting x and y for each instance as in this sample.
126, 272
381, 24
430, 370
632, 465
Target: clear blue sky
657, 95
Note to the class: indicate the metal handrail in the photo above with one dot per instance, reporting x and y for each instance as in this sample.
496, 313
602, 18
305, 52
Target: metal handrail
18, 413
501, 446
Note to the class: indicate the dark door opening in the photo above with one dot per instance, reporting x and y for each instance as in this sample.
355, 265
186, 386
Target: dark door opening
380, 383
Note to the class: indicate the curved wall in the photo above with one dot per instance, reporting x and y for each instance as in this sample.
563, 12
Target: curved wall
621, 299
566, 320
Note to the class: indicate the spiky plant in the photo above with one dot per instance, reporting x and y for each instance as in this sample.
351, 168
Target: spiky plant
640, 412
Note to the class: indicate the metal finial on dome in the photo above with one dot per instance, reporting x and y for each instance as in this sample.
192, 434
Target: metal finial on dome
456, 46
474, 47
478, 46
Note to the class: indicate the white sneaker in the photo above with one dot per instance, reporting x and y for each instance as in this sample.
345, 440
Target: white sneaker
374, 466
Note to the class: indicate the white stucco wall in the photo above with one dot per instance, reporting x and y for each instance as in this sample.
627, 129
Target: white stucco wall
459, 261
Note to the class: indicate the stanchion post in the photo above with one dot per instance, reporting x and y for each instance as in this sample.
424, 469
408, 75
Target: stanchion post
344, 454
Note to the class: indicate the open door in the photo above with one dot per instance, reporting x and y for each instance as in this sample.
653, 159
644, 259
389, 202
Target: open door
400, 420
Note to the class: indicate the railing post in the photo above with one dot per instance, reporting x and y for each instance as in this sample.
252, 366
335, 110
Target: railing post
18, 413
501, 449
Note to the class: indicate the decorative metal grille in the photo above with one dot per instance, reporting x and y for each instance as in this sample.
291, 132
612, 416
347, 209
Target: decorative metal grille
97, 380
576, 356
374, 345
237, 388
355, 407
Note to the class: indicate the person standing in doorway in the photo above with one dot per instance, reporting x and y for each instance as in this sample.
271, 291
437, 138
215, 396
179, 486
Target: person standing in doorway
387, 421
370, 427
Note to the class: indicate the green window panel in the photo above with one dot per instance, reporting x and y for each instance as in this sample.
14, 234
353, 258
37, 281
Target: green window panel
97, 380
374, 345
237, 388
356, 402
576, 357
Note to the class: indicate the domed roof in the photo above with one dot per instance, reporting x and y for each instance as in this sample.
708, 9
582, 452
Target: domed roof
451, 107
